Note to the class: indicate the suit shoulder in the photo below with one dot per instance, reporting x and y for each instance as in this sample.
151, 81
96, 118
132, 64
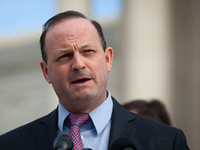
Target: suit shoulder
154, 127
26, 129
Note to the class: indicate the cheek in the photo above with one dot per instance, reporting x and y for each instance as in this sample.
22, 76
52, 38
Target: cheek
63, 72
102, 71
59, 73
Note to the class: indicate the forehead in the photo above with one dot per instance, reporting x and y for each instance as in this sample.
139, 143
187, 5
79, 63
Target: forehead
75, 27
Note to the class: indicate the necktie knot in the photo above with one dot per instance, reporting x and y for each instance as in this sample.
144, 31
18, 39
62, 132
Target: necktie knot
78, 118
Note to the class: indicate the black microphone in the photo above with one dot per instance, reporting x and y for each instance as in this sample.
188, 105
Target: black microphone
87, 149
123, 144
63, 142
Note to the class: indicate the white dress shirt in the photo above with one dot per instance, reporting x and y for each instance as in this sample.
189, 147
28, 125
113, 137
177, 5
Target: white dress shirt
96, 131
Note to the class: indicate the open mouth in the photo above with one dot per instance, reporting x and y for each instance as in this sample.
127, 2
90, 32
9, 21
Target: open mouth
81, 80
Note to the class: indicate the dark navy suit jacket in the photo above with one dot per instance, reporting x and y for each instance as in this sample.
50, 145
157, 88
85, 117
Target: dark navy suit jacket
144, 133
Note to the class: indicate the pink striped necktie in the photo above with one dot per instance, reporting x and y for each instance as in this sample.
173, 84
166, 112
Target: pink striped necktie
77, 119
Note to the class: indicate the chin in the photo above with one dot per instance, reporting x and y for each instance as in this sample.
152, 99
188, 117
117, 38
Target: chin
83, 97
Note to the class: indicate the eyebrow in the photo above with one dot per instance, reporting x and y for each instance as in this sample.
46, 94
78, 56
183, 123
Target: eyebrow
85, 46
64, 50
88, 45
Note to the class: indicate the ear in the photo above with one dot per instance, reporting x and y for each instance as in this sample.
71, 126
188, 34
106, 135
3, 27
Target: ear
109, 57
45, 71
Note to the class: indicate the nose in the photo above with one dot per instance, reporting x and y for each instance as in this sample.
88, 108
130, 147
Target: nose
77, 62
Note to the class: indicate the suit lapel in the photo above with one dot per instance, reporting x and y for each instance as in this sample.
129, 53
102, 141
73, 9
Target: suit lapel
46, 132
122, 124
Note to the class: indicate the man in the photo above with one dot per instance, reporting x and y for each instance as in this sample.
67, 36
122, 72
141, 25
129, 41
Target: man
76, 62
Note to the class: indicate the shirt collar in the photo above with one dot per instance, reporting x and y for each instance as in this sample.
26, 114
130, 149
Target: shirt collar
100, 116
62, 114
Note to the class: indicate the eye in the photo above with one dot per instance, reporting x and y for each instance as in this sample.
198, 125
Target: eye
67, 55
89, 51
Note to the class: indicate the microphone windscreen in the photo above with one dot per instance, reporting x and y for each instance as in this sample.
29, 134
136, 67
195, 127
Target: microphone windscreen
63, 142
123, 144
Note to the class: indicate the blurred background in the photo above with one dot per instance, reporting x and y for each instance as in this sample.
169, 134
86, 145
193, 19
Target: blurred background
156, 56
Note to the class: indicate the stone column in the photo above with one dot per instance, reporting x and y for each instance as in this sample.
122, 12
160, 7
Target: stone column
186, 68
82, 6
159, 56
145, 50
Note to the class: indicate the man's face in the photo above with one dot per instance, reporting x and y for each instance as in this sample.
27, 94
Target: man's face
77, 65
